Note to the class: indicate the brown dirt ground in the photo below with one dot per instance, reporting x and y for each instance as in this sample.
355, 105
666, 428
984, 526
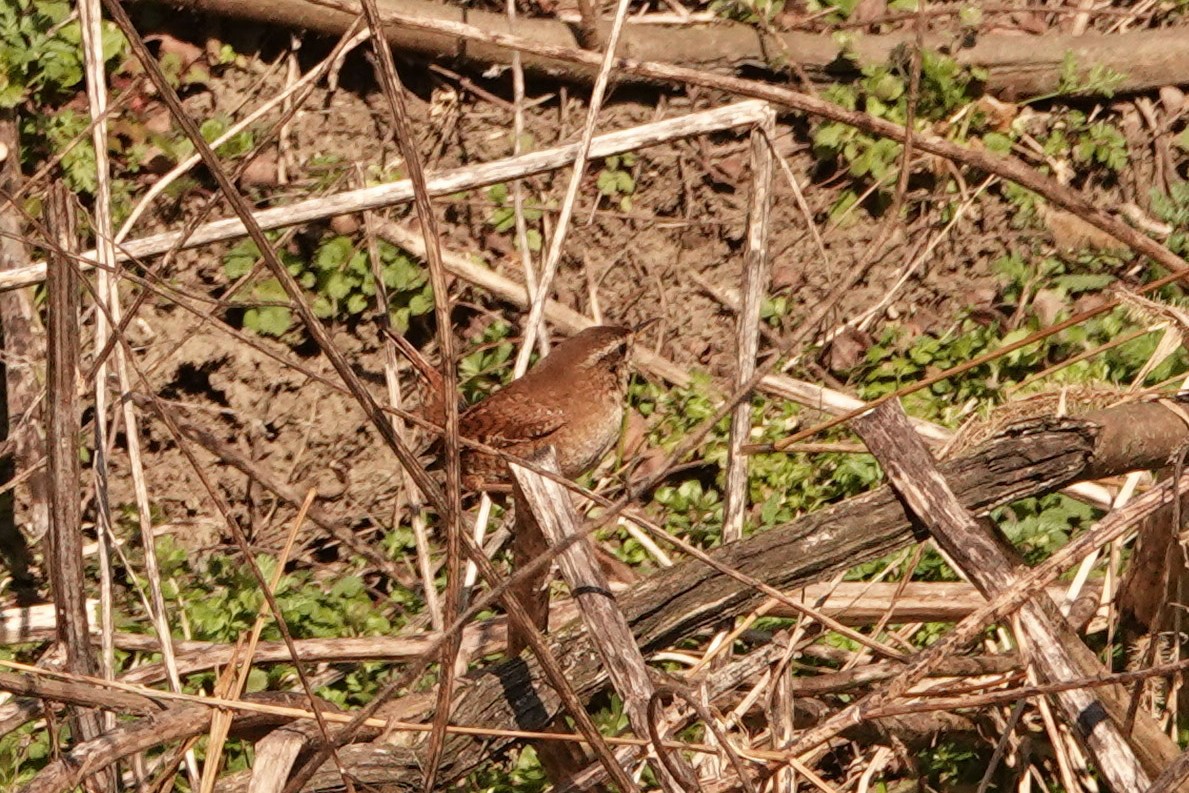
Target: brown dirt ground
687, 218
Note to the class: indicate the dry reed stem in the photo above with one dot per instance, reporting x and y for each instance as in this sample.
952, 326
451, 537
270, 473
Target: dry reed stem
582, 154
63, 543
90, 18
412, 496
747, 334
107, 322
445, 183
549, 506
241, 665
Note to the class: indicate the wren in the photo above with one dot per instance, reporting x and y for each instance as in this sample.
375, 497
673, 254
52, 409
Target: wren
572, 400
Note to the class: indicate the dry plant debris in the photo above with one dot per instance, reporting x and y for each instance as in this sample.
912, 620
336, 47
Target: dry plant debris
234, 563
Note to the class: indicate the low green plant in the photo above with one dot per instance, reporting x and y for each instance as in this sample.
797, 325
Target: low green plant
41, 55
615, 180
882, 91
489, 366
523, 774
1099, 79
24, 752
340, 280
1096, 145
503, 218
950, 765
1173, 209
1040, 526
64, 132
218, 599
692, 511
240, 144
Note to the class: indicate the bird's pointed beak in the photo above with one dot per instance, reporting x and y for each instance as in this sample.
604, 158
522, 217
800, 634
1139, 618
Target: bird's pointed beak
640, 326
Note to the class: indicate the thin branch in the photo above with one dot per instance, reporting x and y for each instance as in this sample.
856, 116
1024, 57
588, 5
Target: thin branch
747, 324
64, 550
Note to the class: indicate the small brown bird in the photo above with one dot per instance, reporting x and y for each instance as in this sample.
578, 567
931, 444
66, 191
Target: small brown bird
573, 400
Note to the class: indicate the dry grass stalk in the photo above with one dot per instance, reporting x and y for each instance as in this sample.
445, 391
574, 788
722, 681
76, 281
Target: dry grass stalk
547, 504
747, 323
582, 154
235, 676
448, 504
1056, 650
63, 543
734, 116
107, 322
411, 496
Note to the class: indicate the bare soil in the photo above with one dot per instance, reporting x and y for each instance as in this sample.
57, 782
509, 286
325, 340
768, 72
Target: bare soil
676, 254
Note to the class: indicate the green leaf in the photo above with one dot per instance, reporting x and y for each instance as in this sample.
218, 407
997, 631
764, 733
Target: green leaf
498, 193
334, 253
211, 128
502, 219
997, 143
240, 260
322, 308
606, 182
888, 88
421, 303
270, 289
336, 285
268, 320
1083, 282
257, 680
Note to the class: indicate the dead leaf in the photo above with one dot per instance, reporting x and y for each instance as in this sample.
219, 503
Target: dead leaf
1071, 233
999, 114
262, 171
1048, 304
344, 224
847, 350
634, 434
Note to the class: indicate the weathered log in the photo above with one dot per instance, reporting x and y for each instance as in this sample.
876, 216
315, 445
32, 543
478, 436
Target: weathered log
1026, 460
1128, 757
1016, 65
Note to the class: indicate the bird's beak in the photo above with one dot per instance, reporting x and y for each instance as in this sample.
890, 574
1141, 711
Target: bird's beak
644, 324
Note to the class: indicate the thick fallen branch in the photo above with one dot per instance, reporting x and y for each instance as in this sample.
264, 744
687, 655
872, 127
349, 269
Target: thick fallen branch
1127, 760
1030, 459
1016, 65
546, 504
1027, 460
177, 723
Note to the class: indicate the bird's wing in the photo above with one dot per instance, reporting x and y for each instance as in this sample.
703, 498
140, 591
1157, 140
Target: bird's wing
507, 418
